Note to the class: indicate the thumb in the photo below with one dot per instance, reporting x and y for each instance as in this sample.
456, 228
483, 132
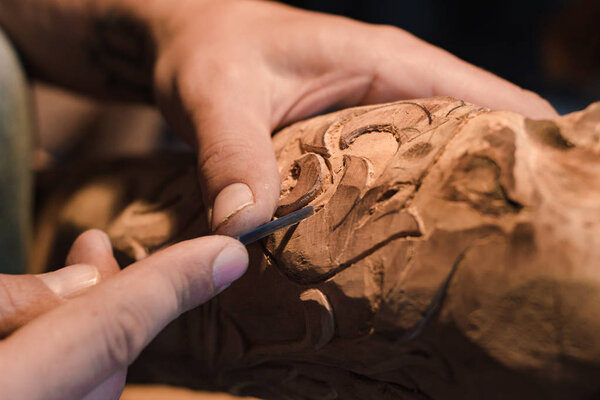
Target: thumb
24, 297
236, 163
103, 331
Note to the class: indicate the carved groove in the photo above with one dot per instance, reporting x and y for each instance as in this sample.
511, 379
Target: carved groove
312, 175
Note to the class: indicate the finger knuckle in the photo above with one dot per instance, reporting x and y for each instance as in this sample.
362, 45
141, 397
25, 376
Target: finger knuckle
221, 77
189, 285
390, 39
388, 32
178, 281
224, 152
124, 335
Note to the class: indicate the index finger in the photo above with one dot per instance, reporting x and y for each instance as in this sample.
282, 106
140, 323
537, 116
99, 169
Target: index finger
409, 67
368, 64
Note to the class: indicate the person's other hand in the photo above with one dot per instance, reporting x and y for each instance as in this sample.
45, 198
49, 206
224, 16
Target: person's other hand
71, 334
228, 73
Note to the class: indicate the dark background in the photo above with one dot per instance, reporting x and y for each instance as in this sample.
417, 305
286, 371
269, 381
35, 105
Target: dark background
505, 37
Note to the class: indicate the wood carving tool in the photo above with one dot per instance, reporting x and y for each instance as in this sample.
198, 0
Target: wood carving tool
274, 226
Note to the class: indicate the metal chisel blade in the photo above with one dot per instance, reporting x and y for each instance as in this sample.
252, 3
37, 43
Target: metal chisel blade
274, 226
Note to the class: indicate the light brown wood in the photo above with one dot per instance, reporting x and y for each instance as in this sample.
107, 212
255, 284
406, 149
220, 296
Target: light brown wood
454, 254
158, 392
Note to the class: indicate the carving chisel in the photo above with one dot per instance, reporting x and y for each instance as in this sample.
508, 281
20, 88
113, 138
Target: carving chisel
274, 226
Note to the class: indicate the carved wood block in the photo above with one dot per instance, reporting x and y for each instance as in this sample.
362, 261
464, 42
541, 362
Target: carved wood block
454, 254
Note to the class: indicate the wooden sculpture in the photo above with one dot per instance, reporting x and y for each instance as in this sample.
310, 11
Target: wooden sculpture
454, 254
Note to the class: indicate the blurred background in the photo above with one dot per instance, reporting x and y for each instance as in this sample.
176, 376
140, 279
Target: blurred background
549, 46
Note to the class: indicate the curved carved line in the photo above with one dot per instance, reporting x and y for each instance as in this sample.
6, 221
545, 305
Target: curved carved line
310, 183
347, 140
422, 107
319, 318
331, 273
462, 104
434, 306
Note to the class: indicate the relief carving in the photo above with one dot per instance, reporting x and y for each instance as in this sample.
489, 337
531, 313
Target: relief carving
454, 254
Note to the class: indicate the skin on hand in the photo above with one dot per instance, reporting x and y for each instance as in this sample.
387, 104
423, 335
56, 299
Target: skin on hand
79, 345
228, 73
225, 73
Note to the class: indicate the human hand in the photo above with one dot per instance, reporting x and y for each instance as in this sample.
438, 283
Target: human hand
64, 339
228, 73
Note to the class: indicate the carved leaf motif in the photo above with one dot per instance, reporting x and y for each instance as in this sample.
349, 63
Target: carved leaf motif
312, 175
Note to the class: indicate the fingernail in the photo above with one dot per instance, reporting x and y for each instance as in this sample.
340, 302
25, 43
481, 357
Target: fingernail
229, 202
230, 264
71, 281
